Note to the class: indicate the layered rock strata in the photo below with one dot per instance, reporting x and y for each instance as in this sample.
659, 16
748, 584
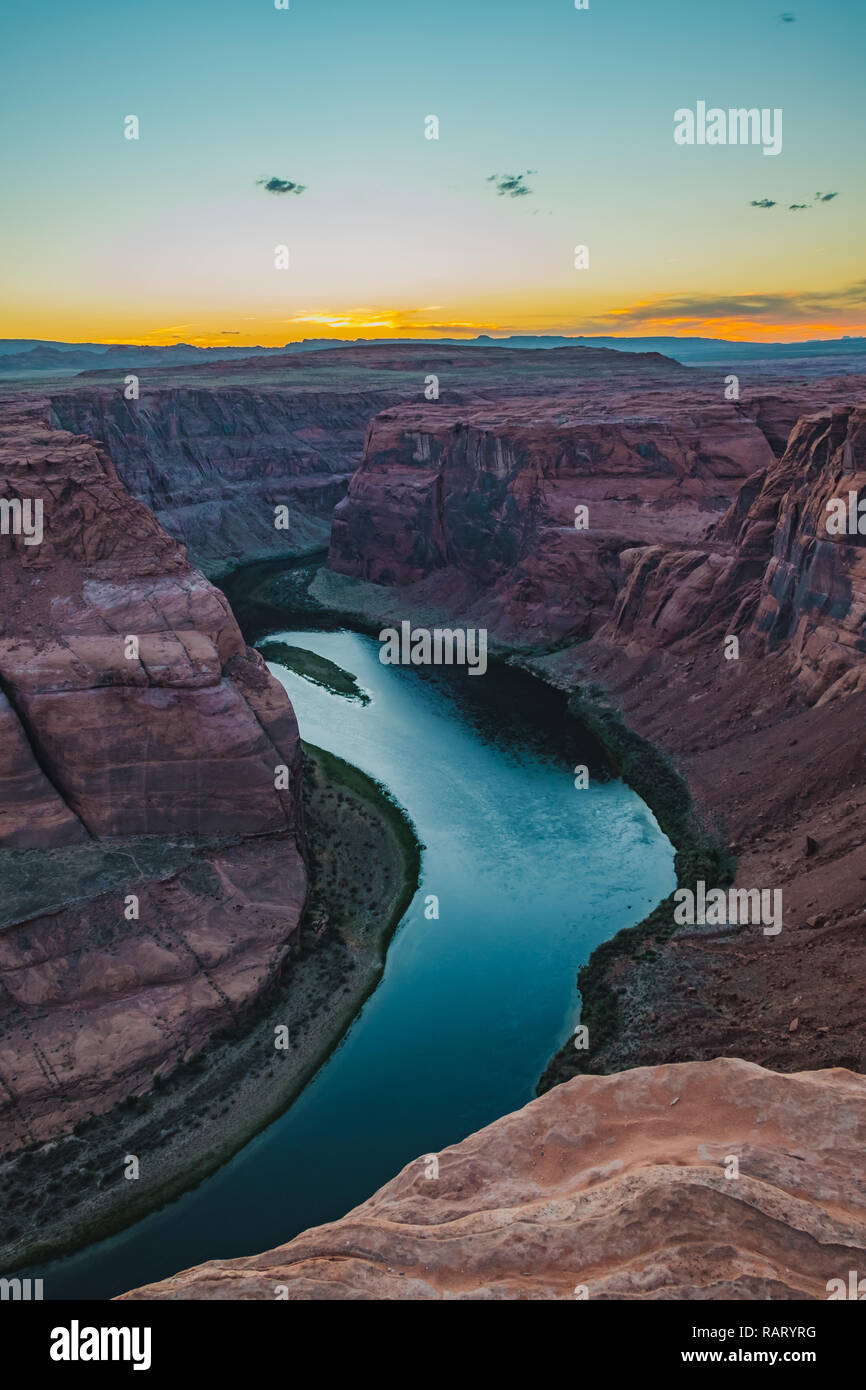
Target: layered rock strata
213, 465
616, 1187
136, 729
481, 507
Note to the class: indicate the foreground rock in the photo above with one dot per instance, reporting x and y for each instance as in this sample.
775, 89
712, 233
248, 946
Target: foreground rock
607, 1188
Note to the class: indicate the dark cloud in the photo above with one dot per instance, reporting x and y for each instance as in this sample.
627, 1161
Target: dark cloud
511, 185
795, 207
787, 18
275, 185
229, 332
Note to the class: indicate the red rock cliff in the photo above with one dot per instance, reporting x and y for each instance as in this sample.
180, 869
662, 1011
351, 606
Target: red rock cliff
132, 716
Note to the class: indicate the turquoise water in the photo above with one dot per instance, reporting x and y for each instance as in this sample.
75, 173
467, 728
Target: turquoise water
531, 874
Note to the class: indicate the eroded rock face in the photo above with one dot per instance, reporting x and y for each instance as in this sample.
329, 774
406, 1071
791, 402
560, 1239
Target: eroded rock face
608, 1187
814, 591
486, 498
131, 714
95, 1005
770, 571
133, 688
212, 464
772, 745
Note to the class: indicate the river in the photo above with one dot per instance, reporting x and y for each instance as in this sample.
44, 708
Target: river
530, 875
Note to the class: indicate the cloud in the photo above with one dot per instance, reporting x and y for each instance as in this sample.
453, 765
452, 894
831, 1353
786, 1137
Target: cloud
511, 185
794, 207
787, 18
358, 320
691, 313
275, 185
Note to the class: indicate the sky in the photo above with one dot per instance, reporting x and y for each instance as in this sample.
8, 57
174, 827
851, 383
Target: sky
556, 130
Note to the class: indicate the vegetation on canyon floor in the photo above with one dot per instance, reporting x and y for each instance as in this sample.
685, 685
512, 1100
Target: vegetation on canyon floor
315, 668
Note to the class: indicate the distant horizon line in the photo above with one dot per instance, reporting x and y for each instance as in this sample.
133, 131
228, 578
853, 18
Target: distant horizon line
209, 346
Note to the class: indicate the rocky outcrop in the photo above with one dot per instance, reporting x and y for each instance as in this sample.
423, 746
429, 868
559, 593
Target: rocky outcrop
813, 597
136, 694
616, 1187
771, 743
132, 716
771, 571
96, 1005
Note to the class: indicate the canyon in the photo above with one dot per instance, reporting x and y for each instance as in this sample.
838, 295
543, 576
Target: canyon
213, 449
705, 520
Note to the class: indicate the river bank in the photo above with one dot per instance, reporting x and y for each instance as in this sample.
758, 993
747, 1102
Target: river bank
364, 867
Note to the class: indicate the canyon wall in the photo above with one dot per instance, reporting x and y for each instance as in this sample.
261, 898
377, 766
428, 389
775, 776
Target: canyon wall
477, 507
213, 463
213, 450
140, 740
770, 570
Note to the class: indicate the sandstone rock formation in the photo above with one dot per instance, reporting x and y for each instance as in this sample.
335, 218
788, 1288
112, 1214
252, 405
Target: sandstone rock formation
606, 1188
180, 730
772, 745
131, 715
814, 591
770, 567
475, 506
